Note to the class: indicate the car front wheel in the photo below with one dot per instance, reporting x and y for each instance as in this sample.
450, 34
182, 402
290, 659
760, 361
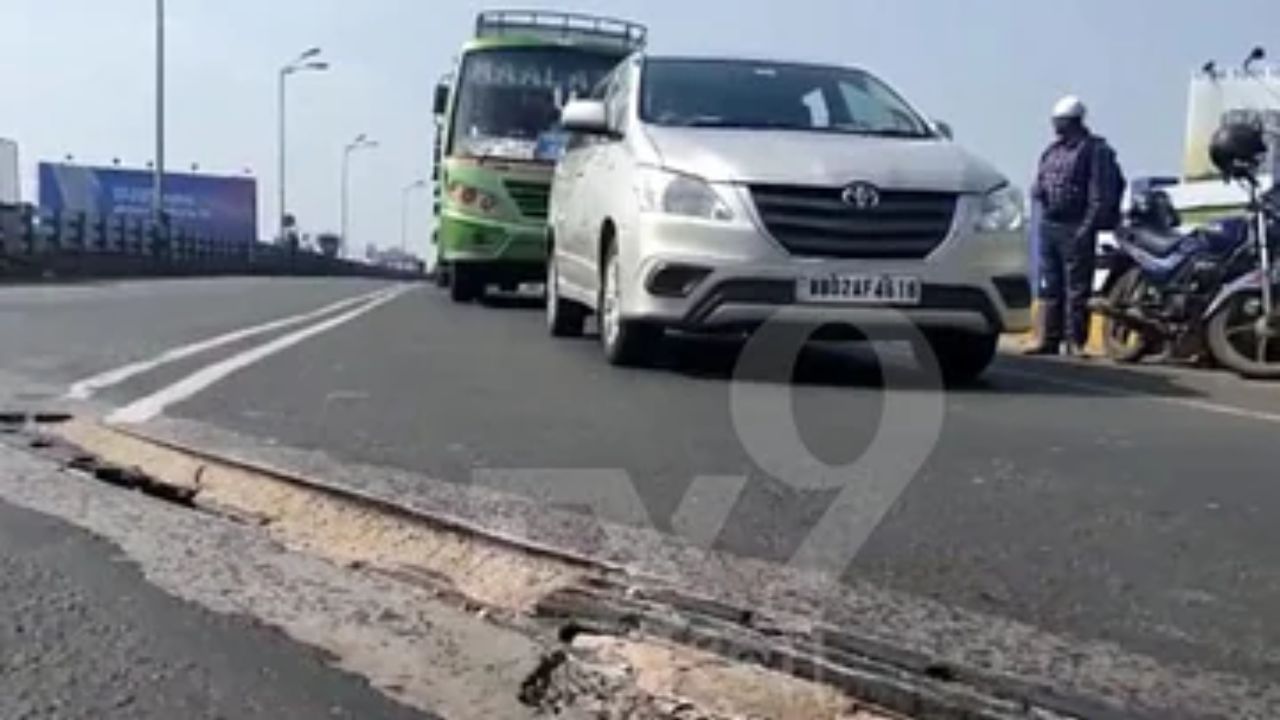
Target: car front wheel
565, 318
625, 342
962, 356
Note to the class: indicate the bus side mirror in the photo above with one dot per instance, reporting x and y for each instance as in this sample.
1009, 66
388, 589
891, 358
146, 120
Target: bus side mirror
442, 99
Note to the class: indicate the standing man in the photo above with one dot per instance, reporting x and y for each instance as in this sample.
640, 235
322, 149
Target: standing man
1079, 187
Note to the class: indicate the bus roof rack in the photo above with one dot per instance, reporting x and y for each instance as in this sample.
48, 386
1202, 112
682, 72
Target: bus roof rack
561, 26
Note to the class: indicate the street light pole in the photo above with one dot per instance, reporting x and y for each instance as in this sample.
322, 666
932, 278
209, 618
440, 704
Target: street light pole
303, 63
362, 142
157, 190
404, 213
282, 180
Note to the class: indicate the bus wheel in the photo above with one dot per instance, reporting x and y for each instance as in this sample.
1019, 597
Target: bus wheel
465, 284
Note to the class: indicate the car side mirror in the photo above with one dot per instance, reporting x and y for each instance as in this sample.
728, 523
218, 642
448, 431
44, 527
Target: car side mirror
944, 129
442, 99
589, 117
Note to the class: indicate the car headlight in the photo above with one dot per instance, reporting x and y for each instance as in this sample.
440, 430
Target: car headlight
679, 194
1002, 210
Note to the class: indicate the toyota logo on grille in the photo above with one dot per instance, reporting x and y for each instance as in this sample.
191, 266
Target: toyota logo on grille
863, 196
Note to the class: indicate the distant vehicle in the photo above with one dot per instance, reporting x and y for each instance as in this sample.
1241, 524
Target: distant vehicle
330, 244
498, 139
705, 194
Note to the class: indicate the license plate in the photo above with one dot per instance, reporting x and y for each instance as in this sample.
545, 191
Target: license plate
860, 289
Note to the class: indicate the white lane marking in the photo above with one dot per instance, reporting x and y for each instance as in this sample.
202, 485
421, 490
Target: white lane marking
149, 407
1202, 405
87, 388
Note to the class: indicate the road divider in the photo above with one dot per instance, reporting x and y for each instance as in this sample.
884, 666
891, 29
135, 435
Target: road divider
87, 388
153, 405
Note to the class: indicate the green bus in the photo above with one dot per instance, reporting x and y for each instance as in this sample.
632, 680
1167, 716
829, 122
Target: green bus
498, 138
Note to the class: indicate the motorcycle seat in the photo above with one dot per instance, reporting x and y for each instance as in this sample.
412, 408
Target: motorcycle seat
1160, 243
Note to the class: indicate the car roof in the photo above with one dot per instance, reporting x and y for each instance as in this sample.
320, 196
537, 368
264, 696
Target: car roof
748, 59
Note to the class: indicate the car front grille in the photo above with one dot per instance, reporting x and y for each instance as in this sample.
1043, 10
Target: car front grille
532, 198
817, 222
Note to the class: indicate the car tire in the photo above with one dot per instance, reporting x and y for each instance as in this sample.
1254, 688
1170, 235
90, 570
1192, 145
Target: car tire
465, 284
565, 318
626, 343
962, 356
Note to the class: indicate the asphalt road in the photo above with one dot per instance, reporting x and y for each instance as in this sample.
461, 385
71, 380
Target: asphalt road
1129, 506
85, 636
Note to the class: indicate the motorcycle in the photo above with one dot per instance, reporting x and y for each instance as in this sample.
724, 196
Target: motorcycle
1243, 322
1196, 295
1161, 281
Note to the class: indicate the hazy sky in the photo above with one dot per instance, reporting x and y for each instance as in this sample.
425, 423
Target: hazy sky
77, 77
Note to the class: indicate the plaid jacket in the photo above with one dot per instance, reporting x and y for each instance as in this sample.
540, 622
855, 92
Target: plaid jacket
1075, 181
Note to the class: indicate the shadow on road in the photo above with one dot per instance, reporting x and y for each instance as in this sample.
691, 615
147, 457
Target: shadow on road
512, 301
1087, 377
850, 365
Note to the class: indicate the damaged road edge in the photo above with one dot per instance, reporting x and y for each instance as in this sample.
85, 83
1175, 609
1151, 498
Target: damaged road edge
514, 583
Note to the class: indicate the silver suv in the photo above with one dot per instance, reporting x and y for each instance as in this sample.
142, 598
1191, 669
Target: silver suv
706, 195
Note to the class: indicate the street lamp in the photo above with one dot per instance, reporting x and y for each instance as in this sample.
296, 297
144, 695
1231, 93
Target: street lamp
157, 200
404, 212
362, 142
303, 63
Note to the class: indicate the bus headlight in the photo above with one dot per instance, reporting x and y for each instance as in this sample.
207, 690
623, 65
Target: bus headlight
473, 198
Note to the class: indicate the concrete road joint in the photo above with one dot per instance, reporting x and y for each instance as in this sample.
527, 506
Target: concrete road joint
587, 600
506, 580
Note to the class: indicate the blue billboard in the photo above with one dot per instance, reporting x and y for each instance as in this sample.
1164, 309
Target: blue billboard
224, 209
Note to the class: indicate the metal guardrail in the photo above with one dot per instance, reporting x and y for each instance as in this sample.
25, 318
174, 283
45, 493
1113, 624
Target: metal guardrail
35, 246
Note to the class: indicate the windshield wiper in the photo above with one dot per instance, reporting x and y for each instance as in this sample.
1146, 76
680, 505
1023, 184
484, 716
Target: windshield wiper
881, 132
711, 122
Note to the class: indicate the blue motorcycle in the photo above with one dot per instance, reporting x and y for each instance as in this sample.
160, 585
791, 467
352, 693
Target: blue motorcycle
1162, 281
1193, 295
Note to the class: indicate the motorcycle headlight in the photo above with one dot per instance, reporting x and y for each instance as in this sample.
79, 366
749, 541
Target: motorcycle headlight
1002, 210
673, 193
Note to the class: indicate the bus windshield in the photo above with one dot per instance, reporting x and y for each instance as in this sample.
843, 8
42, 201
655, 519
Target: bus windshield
510, 98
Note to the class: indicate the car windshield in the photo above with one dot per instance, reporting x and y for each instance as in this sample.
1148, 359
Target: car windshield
746, 94
509, 98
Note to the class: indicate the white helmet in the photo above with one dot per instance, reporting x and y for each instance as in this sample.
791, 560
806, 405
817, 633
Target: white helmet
1069, 107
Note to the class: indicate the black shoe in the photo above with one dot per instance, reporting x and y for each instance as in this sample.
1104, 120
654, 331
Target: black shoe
1043, 350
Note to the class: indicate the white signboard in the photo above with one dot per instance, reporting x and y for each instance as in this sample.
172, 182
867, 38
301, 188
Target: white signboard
10, 192
1237, 95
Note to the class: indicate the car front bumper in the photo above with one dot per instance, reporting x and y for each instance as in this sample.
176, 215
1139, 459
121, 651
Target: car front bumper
974, 282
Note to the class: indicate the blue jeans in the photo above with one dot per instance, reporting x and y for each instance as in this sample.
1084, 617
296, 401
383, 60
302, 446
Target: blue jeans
1067, 262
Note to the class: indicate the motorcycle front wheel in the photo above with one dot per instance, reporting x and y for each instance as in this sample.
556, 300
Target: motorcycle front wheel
1123, 342
1238, 338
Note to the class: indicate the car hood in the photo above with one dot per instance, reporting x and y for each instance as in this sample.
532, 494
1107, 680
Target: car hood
823, 159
